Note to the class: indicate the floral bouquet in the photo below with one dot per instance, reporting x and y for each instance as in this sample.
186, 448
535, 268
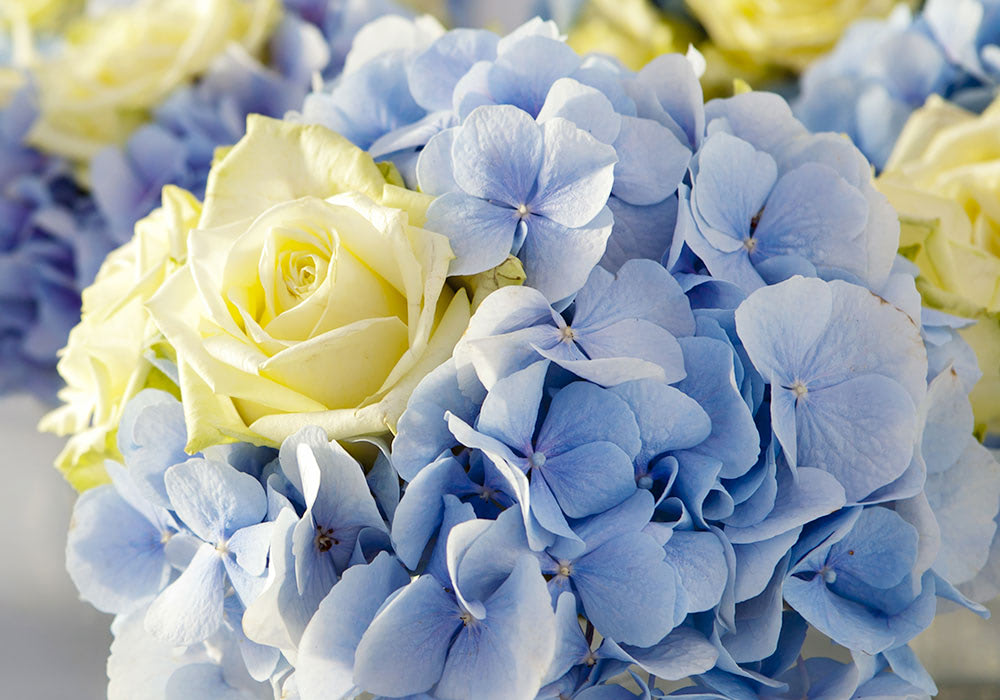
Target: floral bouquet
497, 371
102, 104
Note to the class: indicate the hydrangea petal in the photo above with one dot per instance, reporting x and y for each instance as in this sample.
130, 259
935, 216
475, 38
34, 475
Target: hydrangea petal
497, 155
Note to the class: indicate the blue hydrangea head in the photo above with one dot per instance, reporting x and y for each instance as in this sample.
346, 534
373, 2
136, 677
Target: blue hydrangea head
863, 90
805, 204
51, 245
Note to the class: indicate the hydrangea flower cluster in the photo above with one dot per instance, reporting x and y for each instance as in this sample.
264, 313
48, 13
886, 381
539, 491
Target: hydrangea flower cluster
714, 416
51, 245
862, 88
55, 232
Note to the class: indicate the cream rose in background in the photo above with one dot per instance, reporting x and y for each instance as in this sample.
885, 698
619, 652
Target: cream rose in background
310, 296
786, 33
112, 353
111, 69
944, 180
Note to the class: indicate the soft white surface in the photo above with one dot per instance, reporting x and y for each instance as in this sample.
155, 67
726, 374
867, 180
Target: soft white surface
52, 646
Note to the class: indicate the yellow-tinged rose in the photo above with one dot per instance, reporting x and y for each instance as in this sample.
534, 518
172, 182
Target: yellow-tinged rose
113, 69
39, 14
108, 358
311, 295
943, 178
787, 33
631, 30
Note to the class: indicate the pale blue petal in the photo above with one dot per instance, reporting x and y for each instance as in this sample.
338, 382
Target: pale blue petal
497, 154
576, 175
808, 495
764, 119
571, 646
652, 162
325, 661
625, 519
758, 623
213, 499
421, 508
627, 590
639, 232
434, 166
965, 500
189, 610
678, 92
113, 554
506, 654
816, 214
250, 546
480, 233
755, 563
732, 184
495, 357
557, 259
711, 382
589, 479
846, 622
404, 649
667, 418
526, 70
581, 413
151, 438
315, 571
434, 73
779, 326
204, 680
948, 422
639, 289
584, 106
700, 560
639, 339
423, 430
545, 509
510, 410
684, 652
862, 431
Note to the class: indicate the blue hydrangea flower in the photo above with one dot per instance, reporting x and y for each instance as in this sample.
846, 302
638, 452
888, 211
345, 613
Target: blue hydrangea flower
847, 372
863, 90
51, 246
838, 587
430, 633
340, 20
224, 510
652, 119
535, 190
309, 552
767, 203
620, 328
697, 455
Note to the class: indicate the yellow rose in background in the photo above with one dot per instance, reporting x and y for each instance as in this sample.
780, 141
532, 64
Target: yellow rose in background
44, 14
112, 69
944, 180
310, 296
632, 30
786, 33
109, 357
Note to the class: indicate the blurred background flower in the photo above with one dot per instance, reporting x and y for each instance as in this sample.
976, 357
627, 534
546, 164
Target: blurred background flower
863, 88
942, 179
